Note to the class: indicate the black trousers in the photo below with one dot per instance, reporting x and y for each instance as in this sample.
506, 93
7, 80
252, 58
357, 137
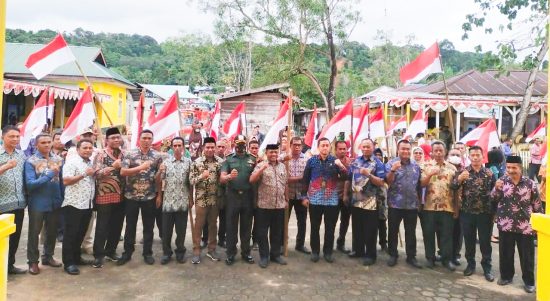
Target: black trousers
458, 237
76, 224
148, 220
409, 218
158, 219
171, 220
444, 222
534, 171
382, 232
108, 226
364, 225
221, 227
345, 214
507, 242
204, 236
36, 220
477, 226
238, 215
254, 225
301, 218
316, 213
19, 216
271, 220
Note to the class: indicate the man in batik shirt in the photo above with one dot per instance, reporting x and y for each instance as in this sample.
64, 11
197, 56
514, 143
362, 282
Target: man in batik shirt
517, 198
174, 200
439, 207
476, 211
366, 176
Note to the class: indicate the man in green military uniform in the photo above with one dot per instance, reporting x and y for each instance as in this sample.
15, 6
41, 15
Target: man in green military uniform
235, 173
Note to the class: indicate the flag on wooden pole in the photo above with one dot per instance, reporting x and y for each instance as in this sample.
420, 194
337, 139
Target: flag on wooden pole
137, 121
428, 62
540, 131
419, 125
233, 125
310, 139
341, 122
166, 123
82, 117
278, 125
215, 124
57, 53
34, 124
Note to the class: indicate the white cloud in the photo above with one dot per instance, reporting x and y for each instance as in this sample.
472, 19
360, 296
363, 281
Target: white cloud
427, 20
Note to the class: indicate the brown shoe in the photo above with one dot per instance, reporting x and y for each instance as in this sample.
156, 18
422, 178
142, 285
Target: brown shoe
51, 262
34, 269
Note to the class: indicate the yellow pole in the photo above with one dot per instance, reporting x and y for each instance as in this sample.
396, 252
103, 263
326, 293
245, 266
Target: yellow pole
2, 47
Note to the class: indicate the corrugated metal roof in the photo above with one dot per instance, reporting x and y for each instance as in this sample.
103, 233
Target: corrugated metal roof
166, 91
256, 90
489, 82
90, 59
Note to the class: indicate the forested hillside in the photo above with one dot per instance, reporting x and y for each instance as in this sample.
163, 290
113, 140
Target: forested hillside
199, 60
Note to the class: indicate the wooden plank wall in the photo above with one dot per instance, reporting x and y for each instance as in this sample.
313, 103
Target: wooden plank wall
261, 109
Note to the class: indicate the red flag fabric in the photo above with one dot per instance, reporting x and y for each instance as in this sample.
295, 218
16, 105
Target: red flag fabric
272, 136
137, 120
50, 57
167, 122
312, 130
341, 122
540, 131
34, 124
82, 117
400, 123
215, 124
362, 129
377, 125
488, 138
418, 125
428, 62
233, 124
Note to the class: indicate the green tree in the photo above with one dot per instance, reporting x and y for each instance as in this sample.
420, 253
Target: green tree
520, 14
299, 23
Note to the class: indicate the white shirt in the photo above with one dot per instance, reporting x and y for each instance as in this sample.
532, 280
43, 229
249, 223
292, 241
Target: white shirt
81, 194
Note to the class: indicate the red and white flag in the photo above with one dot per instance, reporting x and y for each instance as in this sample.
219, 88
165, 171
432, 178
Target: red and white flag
488, 138
233, 125
540, 131
137, 121
418, 125
398, 124
341, 122
312, 130
35, 122
215, 123
82, 117
362, 129
377, 125
278, 125
167, 122
428, 62
57, 53
472, 137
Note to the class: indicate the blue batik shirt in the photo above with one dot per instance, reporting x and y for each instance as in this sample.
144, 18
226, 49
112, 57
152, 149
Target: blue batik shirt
321, 179
364, 192
403, 192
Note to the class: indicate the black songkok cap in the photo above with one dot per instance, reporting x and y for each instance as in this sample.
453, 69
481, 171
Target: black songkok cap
209, 140
513, 159
272, 146
112, 131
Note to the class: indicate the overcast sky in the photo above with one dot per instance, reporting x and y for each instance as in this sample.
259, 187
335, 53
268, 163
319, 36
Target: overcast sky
427, 20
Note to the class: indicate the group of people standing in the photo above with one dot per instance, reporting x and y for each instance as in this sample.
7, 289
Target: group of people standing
451, 192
